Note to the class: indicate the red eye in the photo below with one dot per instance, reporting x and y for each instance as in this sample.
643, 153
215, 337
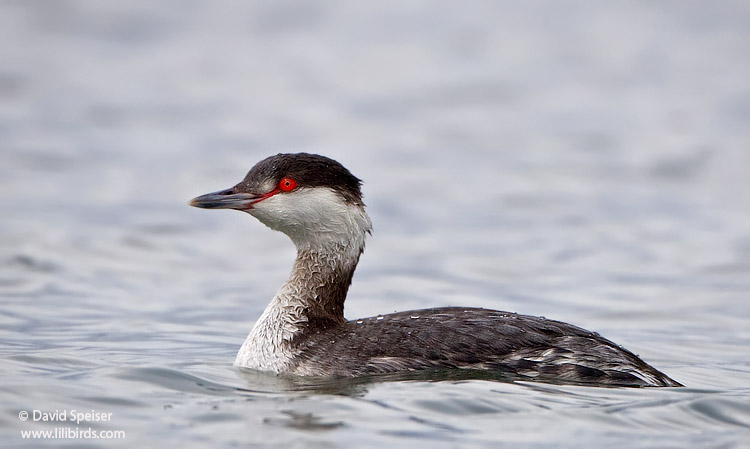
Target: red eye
287, 184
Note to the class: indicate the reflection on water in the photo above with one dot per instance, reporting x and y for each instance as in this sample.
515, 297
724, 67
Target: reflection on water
586, 164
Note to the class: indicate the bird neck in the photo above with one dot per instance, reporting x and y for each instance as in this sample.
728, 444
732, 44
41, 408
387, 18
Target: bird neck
312, 299
315, 292
316, 289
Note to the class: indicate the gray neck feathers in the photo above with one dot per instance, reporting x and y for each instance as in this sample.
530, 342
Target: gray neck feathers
318, 284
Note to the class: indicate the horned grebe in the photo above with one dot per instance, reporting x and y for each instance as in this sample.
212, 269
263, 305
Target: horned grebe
318, 204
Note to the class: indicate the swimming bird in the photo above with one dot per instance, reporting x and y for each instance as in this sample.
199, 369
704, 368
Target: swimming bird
318, 203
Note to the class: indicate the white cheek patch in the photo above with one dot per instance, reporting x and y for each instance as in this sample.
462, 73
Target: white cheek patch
311, 216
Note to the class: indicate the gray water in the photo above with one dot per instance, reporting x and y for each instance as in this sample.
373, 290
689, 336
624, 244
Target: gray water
585, 161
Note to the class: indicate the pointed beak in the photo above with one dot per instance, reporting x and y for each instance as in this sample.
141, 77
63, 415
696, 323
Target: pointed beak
226, 199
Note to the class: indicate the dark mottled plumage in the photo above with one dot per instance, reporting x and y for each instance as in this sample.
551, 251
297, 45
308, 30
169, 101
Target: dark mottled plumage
472, 338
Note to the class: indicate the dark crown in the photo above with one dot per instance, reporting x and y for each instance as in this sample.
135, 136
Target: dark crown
308, 170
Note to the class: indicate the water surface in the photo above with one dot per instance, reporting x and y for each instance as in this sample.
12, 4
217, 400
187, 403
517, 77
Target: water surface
585, 162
